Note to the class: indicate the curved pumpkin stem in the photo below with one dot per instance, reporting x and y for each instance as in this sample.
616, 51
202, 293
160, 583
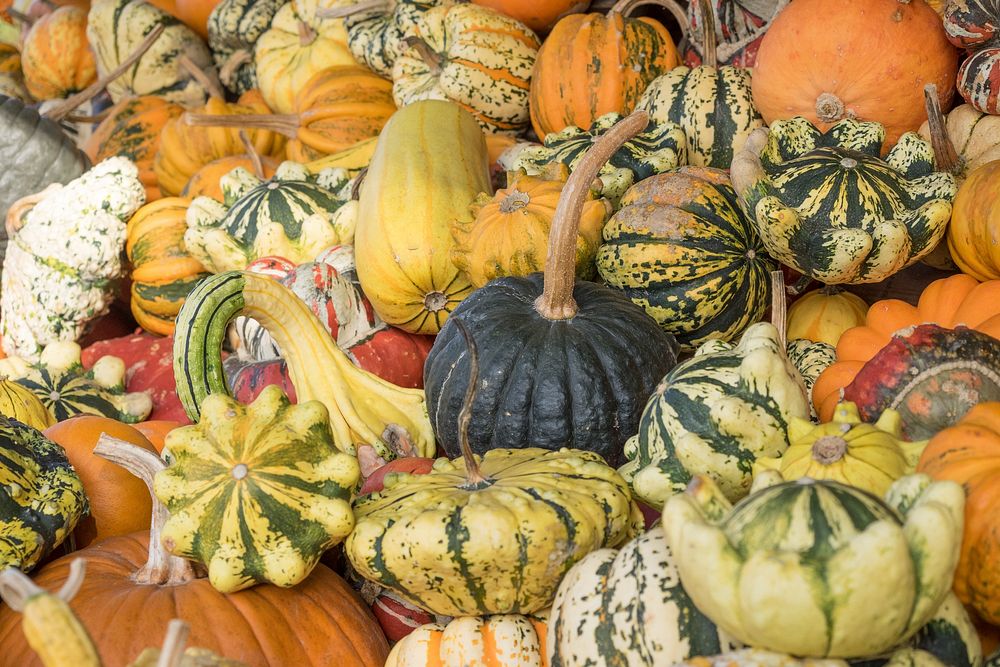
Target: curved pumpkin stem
556, 301
258, 165
172, 651
210, 84
709, 44
287, 124
945, 155
779, 307
625, 8
473, 475
351, 10
233, 62
162, 568
431, 58
16, 588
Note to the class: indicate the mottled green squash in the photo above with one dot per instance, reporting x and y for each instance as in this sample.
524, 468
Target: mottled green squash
810, 359
234, 26
375, 30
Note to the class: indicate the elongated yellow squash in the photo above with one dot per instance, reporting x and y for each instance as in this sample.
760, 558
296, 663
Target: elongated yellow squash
429, 164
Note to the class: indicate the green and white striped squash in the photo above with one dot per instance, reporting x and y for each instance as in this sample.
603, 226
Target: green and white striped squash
713, 105
374, 34
810, 359
295, 215
628, 607
818, 568
714, 415
950, 636
115, 29
66, 389
256, 492
41, 497
681, 247
471, 55
827, 205
659, 148
234, 27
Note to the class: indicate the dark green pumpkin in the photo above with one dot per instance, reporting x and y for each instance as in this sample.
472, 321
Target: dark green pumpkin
573, 370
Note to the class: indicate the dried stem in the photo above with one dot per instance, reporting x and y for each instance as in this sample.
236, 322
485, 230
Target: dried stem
172, 651
258, 166
209, 83
283, 123
17, 588
779, 307
228, 71
306, 34
473, 475
945, 155
351, 10
431, 58
709, 45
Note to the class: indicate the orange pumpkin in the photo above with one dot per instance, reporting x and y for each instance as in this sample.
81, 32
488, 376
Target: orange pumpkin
969, 453
959, 299
132, 129
56, 56
156, 431
119, 502
194, 14
592, 64
864, 59
974, 232
538, 16
205, 182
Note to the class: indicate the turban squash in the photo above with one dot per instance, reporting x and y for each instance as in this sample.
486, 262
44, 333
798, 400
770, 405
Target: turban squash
55, 57
972, 25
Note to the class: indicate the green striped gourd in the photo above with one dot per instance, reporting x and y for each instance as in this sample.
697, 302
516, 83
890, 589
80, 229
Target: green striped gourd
827, 205
66, 389
364, 410
375, 30
950, 636
627, 607
818, 568
294, 215
257, 493
41, 497
659, 148
234, 27
810, 359
681, 247
18, 402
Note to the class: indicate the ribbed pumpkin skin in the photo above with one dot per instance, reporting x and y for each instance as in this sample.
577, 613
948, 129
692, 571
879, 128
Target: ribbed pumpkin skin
18, 403
578, 383
205, 181
975, 136
163, 273
873, 56
504, 640
823, 317
974, 232
56, 57
681, 247
628, 607
235, 26
972, 25
431, 162
592, 64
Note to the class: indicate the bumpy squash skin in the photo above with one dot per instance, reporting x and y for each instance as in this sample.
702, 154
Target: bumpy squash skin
810, 359
375, 36
504, 640
971, 25
56, 58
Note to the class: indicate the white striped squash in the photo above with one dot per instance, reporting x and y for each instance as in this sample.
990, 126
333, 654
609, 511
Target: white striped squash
505, 640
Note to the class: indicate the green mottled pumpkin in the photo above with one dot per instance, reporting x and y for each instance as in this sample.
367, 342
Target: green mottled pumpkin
810, 359
234, 27
375, 30
681, 247
257, 493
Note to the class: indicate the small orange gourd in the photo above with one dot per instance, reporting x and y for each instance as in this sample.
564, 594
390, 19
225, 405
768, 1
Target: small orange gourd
56, 57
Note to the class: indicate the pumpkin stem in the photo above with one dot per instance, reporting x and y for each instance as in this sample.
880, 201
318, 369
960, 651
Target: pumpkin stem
172, 651
431, 58
945, 155
709, 44
829, 449
831, 290
351, 10
829, 108
20, 17
209, 83
258, 166
60, 111
306, 34
514, 201
473, 475
227, 73
283, 123
556, 301
779, 306
162, 568
16, 588
96, 118
625, 7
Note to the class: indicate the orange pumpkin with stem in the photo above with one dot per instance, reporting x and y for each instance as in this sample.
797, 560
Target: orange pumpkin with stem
969, 453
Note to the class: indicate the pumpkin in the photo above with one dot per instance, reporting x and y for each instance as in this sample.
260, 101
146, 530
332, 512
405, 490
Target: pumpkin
184, 149
504, 640
156, 431
207, 181
132, 129
431, 162
824, 314
472, 55
539, 16
42, 498
682, 249
56, 57
515, 515
974, 232
828, 206
713, 104
544, 335
900, 555
627, 607
508, 234
865, 60
968, 453
318, 623
294, 215
810, 360
971, 25
739, 27
119, 502
240, 468
594, 64
115, 27
659, 147
375, 29
948, 302
234, 26
163, 272
17, 402
298, 44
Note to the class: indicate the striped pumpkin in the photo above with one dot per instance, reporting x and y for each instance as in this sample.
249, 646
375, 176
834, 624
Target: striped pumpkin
256, 492
972, 25
504, 640
474, 56
17, 402
714, 415
163, 272
56, 57
628, 607
681, 247
829, 207
234, 26
375, 34
810, 360
41, 499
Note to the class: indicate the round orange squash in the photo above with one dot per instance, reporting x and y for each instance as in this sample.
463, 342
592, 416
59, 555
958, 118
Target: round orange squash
205, 182
949, 302
539, 16
593, 64
824, 314
863, 59
56, 56
974, 232
969, 453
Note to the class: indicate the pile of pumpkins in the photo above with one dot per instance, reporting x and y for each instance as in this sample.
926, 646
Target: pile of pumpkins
500, 333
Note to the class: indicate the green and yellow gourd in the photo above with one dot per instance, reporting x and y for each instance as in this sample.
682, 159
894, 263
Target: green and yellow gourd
818, 568
234, 26
827, 205
364, 409
810, 359
41, 497
375, 29
489, 535
17, 402
257, 493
